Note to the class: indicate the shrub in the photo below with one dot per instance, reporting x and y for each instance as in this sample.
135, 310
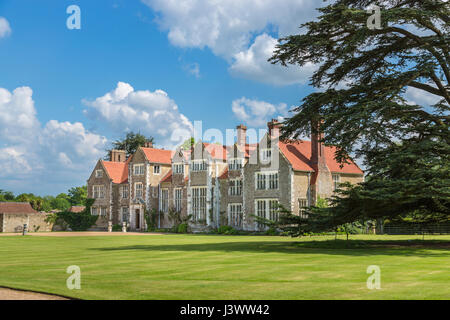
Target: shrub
117, 227
182, 228
226, 230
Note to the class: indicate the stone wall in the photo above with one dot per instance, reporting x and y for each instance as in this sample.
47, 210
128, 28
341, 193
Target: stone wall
13, 222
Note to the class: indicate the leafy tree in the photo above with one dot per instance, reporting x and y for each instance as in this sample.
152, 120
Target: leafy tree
6, 195
77, 221
60, 203
131, 142
188, 144
363, 109
77, 195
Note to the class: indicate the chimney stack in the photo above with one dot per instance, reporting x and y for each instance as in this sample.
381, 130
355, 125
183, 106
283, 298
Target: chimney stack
117, 155
274, 129
148, 144
321, 179
317, 148
241, 135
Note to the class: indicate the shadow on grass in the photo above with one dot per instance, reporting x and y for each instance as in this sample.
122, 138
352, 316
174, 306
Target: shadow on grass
338, 247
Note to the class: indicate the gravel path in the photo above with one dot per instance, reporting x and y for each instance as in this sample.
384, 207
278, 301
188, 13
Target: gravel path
10, 294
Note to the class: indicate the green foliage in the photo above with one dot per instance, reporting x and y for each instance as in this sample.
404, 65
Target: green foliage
151, 218
180, 222
116, 227
405, 146
131, 142
188, 144
226, 230
77, 195
80, 221
321, 202
182, 228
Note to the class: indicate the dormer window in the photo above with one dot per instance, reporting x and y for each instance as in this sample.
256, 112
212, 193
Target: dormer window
98, 173
156, 169
235, 164
199, 165
178, 168
266, 155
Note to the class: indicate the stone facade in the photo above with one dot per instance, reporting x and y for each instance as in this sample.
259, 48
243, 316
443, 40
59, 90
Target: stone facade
220, 185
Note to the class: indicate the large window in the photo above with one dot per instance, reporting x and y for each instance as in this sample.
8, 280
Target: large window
266, 209
178, 168
336, 181
124, 191
266, 180
124, 214
199, 165
103, 211
139, 169
98, 192
165, 200
199, 203
235, 164
302, 204
138, 190
266, 155
94, 211
178, 198
235, 187
235, 215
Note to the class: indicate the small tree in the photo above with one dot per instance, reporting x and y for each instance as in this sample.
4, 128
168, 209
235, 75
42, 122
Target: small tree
131, 142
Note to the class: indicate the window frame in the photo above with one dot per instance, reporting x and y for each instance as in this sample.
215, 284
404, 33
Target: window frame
136, 184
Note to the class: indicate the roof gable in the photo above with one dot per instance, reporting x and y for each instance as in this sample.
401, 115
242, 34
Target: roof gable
16, 207
158, 155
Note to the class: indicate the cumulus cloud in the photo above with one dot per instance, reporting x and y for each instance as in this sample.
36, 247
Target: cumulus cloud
227, 27
257, 113
421, 97
5, 29
252, 64
151, 113
32, 154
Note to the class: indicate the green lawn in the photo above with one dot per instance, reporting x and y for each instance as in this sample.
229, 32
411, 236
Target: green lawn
228, 267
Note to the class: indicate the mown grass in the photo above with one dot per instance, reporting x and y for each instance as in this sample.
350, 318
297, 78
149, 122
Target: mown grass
229, 267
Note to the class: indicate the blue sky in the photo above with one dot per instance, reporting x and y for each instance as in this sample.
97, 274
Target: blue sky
153, 66
192, 62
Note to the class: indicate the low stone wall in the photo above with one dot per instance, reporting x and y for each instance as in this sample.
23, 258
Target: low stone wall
13, 222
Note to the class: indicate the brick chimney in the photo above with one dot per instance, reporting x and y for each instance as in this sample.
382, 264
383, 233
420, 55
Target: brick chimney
274, 129
321, 180
148, 144
241, 135
118, 155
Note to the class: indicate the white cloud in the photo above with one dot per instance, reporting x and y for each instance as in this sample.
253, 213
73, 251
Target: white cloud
421, 97
257, 113
151, 113
193, 68
34, 155
227, 27
5, 29
252, 64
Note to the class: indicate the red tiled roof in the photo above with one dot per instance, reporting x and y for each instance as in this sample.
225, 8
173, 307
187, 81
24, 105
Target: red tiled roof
16, 207
298, 153
224, 174
167, 177
117, 171
158, 155
77, 209
217, 151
